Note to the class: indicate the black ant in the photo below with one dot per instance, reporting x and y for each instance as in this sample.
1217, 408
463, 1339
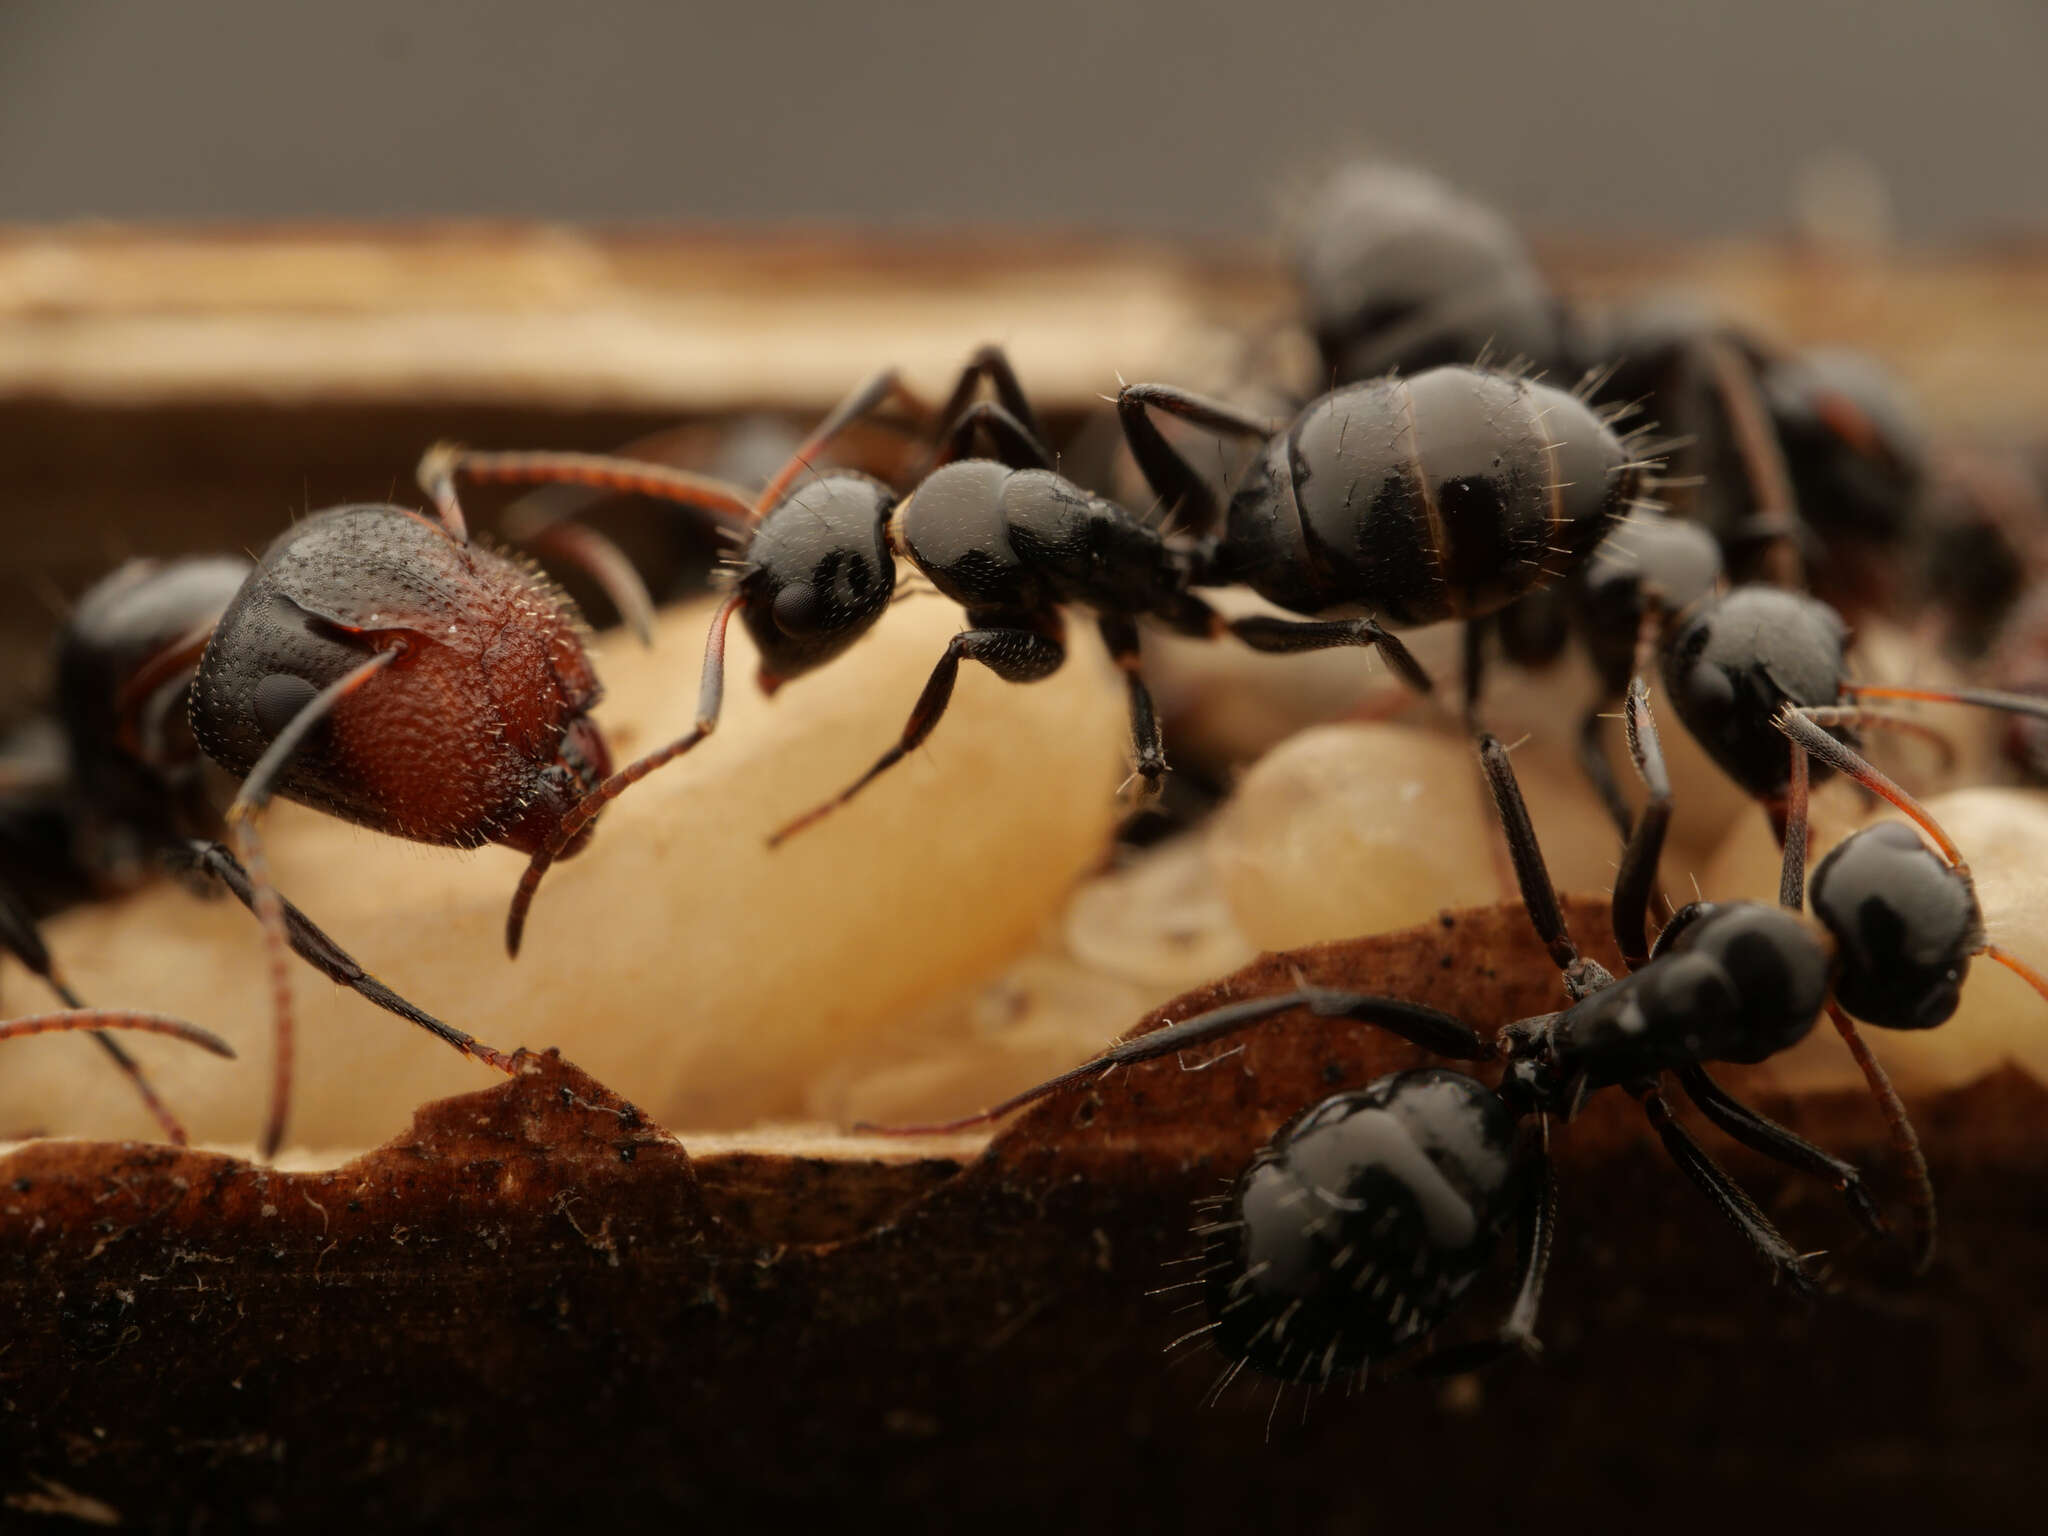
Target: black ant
1782, 455
1352, 1235
1524, 480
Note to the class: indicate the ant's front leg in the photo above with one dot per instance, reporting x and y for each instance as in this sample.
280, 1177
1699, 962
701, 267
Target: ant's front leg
1729, 1198
1017, 647
1762, 1134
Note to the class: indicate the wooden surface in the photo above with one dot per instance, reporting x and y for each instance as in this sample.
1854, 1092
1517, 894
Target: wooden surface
537, 1309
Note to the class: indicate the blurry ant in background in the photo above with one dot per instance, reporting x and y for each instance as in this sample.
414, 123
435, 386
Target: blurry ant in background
1789, 459
375, 664
1523, 479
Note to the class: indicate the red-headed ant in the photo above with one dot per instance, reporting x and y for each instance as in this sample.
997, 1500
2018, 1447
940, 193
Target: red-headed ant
375, 664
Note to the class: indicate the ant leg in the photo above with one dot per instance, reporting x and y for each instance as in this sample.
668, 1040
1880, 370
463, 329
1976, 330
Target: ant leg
1539, 896
1791, 823
1761, 1134
1473, 657
1014, 652
866, 398
1187, 494
1598, 772
20, 935
1016, 444
1535, 1234
1120, 634
1636, 880
993, 364
1729, 1197
1437, 1032
1285, 636
726, 508
710, 700
97, 1019
1775, 515
1904, 1139
267, 904
312, 945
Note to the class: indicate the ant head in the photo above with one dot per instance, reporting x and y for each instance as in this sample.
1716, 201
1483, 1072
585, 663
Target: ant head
1647, 551
1737, 659
1741, 982
480, 733
817, 573
1411, 1179
1905, 922
1855, 452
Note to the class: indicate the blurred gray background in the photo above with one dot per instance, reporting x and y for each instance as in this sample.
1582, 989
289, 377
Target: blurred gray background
1156, 115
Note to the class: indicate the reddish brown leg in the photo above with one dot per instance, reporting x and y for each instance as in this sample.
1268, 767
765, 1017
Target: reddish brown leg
710, 699
1905, 1140
105, 1018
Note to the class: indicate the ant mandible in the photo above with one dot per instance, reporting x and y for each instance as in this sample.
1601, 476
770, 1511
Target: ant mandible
1352, 1235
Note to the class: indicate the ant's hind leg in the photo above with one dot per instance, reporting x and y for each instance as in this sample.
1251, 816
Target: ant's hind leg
1015, 653
1761, 1134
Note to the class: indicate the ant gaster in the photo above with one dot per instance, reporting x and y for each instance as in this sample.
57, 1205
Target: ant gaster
1353, 1234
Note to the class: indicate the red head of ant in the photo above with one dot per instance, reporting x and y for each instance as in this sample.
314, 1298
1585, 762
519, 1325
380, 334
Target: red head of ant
478, 732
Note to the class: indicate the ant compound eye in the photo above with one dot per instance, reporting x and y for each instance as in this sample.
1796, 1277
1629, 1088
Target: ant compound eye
798, 609
279, 698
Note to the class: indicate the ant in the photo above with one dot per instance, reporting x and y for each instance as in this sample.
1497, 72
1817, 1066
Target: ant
1774, 452
1530, 479
1353, 1234
375, 664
